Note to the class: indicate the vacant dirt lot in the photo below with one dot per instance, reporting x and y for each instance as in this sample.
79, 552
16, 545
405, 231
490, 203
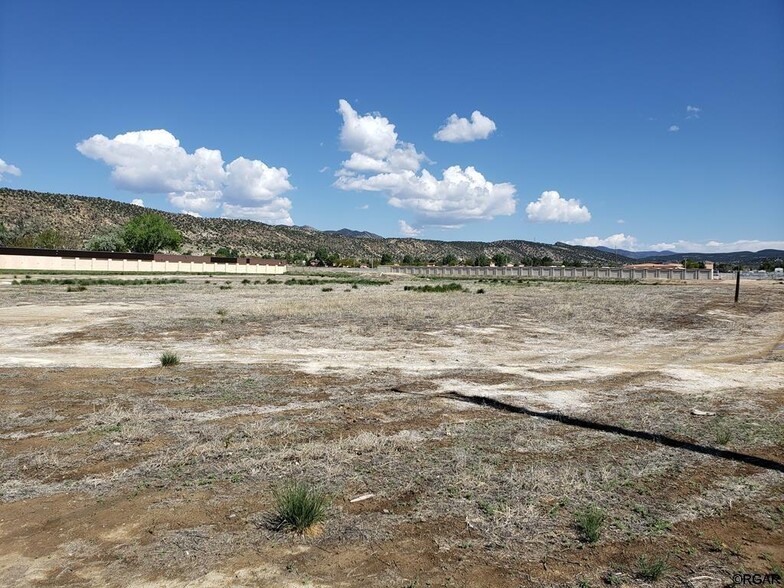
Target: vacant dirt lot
118, 472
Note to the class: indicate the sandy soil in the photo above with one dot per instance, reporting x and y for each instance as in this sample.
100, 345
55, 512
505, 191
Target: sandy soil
119, 472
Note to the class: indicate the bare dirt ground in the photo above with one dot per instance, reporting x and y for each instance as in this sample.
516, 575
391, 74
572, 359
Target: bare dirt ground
117, 472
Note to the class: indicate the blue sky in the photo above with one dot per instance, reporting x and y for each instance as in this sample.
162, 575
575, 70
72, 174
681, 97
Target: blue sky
633, 124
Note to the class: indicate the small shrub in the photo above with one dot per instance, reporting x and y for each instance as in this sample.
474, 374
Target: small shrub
271, 281
486, 507
246, 281
661, 525
651, 569
451, 287
590, 522
480, 291
79, 288
326, 289
354, 286
299, 507
222, 312
169, 359
225, 287
207, 281
99, 281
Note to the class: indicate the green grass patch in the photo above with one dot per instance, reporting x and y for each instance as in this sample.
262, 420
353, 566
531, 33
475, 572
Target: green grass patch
590, 522
169, 358
651, 569
299, 507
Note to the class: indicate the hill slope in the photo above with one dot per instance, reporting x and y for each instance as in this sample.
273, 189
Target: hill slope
635, 254
81, 217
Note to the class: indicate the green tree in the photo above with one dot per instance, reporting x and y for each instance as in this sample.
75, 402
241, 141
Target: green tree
50, 239
325, 257
107, 241
449, 259
227, 252
46, 239
298, 257
3, 234
482, 261
387, 259
347, 262
149, 233
500, 259
693, 264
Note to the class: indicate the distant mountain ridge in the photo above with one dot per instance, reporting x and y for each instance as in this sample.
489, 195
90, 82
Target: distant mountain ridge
635, 254
82, 217
743, 257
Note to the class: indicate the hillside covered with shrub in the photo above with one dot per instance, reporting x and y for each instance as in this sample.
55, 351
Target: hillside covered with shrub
69, 221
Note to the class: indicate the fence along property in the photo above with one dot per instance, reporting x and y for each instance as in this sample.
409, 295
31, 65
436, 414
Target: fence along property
21, 259
555, 272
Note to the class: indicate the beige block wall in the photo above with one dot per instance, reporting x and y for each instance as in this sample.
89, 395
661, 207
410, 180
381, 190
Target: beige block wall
557, 272
46, 263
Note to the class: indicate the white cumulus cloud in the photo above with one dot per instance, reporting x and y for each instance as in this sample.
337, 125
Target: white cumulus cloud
407, 230
462, 130
137, 202
372, 141
8, 169
379, 162
274, 212
617, 241
693, 111
154, 162
551, 208
674, 128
